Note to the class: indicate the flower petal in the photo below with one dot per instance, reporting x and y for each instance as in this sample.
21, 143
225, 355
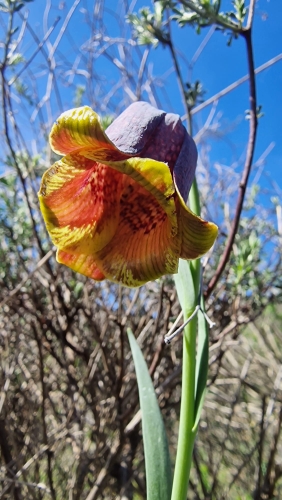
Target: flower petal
166, 143
198, 235
83, 264
152, 175
135, 128
185, 166
117, 217
79, 200
81, 128
143, 247
116, 221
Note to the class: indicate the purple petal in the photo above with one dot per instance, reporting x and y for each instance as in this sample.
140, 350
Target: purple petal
165, 145
185, 166
145, 131
132, 130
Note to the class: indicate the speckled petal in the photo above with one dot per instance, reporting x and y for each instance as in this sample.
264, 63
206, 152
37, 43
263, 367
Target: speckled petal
79, 200
152, 175
116, 216
144, 246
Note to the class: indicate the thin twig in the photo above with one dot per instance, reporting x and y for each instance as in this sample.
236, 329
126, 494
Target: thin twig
39, 47
141, 73
23, 282
247, 168
115, 449
234, 85
251, 14
260, 450
43, 412
178, 73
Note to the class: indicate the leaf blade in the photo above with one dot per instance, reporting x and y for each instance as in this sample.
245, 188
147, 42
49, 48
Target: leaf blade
202, 363
157, 459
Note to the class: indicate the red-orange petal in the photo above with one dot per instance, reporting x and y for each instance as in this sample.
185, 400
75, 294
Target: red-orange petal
79, 200
83, 264
113, 216
144, 246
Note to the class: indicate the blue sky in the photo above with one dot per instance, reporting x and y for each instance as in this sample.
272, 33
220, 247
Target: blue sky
217, 67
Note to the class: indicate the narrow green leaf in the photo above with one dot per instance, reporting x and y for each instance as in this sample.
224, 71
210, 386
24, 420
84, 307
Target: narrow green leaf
157, 460
202, 364
185, 287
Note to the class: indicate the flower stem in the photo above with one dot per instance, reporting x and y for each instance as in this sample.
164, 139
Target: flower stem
194, 202
187, 430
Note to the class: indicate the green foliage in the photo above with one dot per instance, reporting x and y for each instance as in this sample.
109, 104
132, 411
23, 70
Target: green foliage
23, 90
199, 13
247, 252
106, 121
157, 459
202, 363
259, 113
240, 11
184, 282
13, 5
194, 94
15, 228
149, 28
250, 272
79, 94
15, 58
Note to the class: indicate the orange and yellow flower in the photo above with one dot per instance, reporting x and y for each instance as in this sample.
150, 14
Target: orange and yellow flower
114, 204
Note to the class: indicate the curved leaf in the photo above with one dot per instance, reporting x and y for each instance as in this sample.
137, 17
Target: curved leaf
157, 460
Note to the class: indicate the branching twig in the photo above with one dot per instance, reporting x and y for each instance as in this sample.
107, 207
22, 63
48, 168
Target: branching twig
43, 412
247, 168
233, 86
24, 280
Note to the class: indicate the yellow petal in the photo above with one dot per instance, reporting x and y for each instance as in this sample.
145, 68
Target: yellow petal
111, 215
79, 200
154, 176
197, 235
80, 128
143, 247
83, 264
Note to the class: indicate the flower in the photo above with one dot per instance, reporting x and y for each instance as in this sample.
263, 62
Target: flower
114, 204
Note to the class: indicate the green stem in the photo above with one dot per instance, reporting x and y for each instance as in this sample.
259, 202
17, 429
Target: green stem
187, 429
187, 433
194, 200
